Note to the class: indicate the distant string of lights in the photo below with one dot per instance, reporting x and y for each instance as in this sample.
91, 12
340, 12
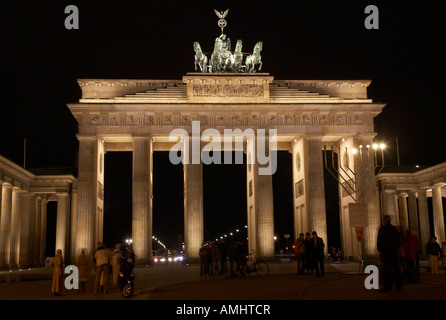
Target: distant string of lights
230, 234
159, 242
154, 238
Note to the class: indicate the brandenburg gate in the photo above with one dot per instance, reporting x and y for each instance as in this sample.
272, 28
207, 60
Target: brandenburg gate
140, 115
228, 104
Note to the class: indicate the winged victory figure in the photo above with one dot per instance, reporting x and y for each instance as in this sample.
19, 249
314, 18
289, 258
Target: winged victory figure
221, 15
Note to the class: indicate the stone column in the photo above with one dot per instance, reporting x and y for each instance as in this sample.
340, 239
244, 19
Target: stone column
316, 187
251, 176
424, 218
438, 213
62, 223
413, 212
298, 162
390, 205
142, 199
404, 218
27, 230
16, 216
367, 192
193, 205
87, 194
43, 212
5, 224
73, 223
37, 233
264, 202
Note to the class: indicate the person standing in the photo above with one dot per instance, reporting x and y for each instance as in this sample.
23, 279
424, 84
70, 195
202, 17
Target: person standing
433, 252
300, 254
214, 259
84, 267
116, 265
411, 250
317, 251
57, 265
101, 256
204, 260
308, 254
388, 244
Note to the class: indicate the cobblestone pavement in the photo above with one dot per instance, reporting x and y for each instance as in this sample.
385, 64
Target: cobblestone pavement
342, 281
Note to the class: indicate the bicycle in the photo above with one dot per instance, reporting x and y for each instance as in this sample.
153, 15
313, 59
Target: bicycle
260, 267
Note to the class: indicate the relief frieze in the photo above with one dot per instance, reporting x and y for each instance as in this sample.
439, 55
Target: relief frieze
228, 90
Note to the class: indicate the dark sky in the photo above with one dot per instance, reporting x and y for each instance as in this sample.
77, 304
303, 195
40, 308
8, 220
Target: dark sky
404, 58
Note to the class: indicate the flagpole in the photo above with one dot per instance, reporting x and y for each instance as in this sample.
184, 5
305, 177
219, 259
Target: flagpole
24, 153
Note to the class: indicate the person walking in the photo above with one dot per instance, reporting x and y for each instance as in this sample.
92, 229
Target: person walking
300, 254
388, 244
101, 256
84, 266
433, 252
57, 265
317, 251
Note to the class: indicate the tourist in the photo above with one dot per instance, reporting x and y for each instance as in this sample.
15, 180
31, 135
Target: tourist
412, 257
433, 252
308, 257
57, 265
204, 260
388, 243
214, 259
115, 263
317, 251
84, 267
223, 252
102, 256
412, 250
300, 254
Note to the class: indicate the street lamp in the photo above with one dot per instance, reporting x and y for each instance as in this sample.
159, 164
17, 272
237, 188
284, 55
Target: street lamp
348, 180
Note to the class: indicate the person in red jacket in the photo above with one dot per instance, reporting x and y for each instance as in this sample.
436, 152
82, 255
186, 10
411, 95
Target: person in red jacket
412, 250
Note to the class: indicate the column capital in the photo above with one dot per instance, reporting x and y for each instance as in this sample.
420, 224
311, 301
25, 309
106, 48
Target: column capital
364, 136
136, 137
62, 193
439, 185
313, 137
86, 138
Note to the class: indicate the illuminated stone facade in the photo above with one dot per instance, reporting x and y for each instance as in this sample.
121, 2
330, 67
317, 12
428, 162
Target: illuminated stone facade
139, 115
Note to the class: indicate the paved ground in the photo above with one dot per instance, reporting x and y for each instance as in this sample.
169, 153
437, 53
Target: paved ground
182, 282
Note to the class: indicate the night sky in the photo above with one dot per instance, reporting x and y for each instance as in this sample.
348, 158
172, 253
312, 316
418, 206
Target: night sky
41, 60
